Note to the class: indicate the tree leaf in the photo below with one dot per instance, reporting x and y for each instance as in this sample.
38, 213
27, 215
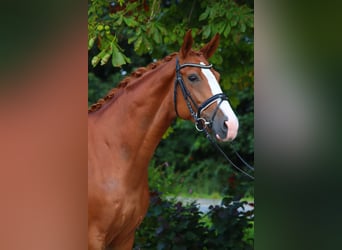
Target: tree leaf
119, 21
243, 27
220, 27
234, 21
206, 31
132, 39
130, 22
156, 36
227, 30
204, 15
137, 43
118, 58
161, 28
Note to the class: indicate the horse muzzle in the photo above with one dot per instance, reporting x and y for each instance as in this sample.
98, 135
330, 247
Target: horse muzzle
226, 131
221, 119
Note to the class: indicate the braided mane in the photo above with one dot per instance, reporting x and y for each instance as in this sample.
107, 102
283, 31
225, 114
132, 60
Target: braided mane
126, 82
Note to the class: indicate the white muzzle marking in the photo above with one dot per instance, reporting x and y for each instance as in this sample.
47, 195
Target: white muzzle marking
232, 123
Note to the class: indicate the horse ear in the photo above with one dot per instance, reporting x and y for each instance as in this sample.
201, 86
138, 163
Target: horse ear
209, 49
187, 44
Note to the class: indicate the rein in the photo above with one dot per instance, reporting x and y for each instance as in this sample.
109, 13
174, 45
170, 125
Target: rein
201, 124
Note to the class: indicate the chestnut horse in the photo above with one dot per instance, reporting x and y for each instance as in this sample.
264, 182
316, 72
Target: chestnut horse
126, 126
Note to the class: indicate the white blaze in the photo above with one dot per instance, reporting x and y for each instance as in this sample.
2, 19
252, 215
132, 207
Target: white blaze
232, 123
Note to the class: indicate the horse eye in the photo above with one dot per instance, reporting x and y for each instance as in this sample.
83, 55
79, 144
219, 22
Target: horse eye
193, 78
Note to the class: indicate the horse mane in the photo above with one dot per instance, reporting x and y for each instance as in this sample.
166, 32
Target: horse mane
127, 81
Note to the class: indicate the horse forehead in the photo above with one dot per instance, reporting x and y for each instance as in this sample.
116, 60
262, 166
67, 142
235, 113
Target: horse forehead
195, 57
211, 78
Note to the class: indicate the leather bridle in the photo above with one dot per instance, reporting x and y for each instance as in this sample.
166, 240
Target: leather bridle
200, 122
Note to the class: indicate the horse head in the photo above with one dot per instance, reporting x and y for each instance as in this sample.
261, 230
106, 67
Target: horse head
204, 102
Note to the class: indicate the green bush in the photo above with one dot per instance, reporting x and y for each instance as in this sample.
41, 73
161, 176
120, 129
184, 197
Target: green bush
229, 228
171, 225
164, 178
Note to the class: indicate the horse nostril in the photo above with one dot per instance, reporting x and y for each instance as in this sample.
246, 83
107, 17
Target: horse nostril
225, 125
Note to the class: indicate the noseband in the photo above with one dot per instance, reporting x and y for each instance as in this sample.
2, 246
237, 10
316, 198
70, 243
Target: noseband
200, 122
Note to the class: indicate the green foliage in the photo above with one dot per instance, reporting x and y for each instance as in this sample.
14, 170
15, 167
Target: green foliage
164, 178
167, 225
201, 167
101, 31
150, 24
171, 225
224, 22
230, 226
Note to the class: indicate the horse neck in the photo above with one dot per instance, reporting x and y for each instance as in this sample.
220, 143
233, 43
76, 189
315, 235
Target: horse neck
134, 123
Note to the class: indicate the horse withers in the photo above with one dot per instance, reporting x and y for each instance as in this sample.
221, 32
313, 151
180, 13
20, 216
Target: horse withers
125, 127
